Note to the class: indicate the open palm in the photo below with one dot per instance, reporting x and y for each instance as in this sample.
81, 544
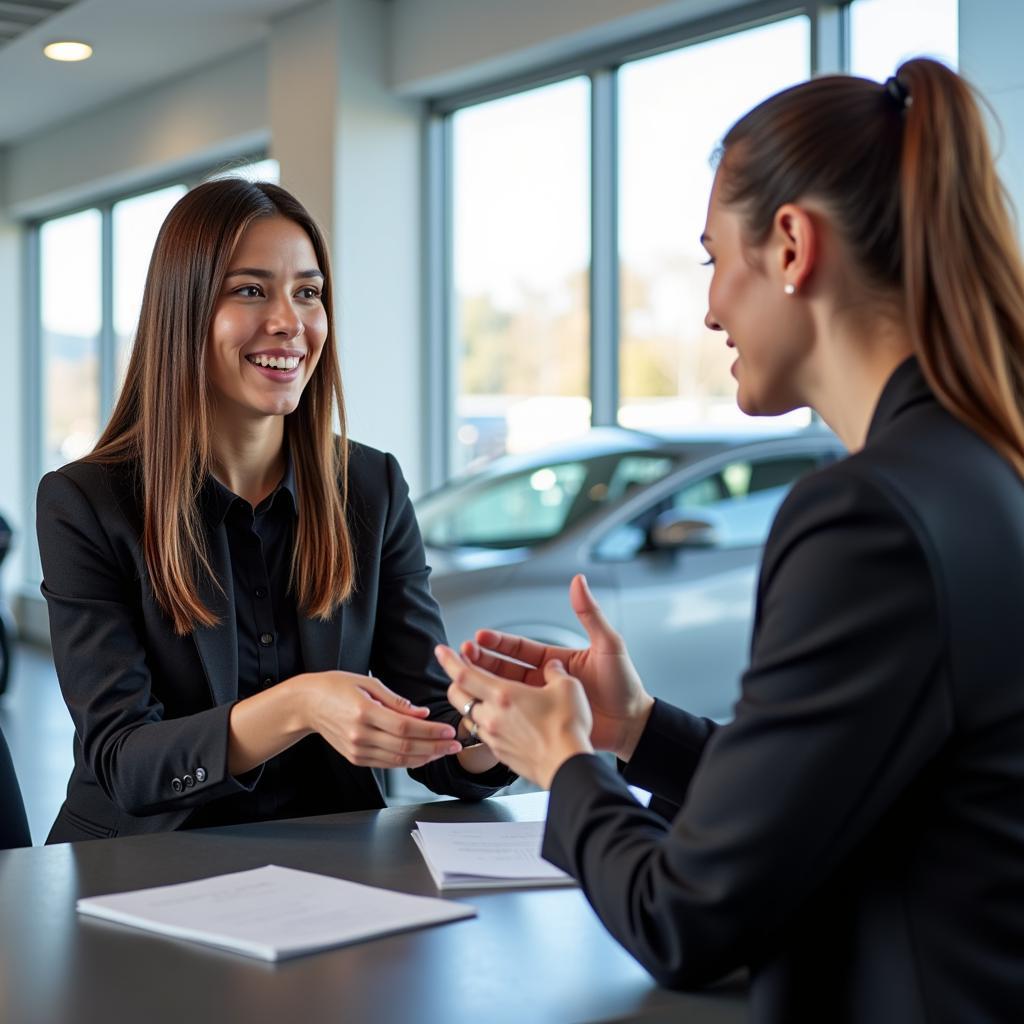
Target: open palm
616, 695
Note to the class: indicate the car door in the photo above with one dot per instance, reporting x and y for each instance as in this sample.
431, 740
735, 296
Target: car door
686, 613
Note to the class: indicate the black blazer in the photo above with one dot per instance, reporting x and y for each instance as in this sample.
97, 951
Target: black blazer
856, 834
151, 708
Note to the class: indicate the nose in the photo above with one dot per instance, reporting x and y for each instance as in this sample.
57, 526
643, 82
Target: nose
283, 319
711, 323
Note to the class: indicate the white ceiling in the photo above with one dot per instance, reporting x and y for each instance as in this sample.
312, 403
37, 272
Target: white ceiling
136, 43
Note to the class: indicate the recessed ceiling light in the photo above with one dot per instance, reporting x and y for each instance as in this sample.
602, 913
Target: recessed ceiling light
68, 51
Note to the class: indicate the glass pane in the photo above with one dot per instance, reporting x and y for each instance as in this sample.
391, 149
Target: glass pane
136, 224
507, 512
69, 268
521, 264
884, 33
674, 108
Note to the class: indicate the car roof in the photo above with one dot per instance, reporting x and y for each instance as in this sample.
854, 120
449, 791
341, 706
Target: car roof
599, 441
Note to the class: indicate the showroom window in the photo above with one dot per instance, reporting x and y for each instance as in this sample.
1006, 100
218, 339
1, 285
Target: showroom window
564, 281
86, 289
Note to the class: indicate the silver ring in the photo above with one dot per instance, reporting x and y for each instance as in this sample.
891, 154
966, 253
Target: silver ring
467, 710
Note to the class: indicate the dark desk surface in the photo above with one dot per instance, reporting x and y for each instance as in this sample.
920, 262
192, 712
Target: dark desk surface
530, 956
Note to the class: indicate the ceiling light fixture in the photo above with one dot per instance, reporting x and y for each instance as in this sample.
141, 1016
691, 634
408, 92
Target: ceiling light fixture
68, 51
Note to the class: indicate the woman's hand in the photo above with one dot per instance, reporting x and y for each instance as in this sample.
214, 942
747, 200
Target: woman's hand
618, 701
533, 729
371, 725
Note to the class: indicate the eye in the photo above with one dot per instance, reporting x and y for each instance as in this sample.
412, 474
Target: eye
249, 291
309, 292
709, 262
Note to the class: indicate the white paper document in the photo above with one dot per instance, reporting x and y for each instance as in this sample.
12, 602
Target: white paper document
486, 855
273, 912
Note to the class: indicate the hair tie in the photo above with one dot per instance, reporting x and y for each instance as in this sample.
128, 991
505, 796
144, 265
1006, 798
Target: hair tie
898, 92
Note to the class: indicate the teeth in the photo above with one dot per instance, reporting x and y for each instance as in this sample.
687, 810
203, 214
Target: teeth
276, 362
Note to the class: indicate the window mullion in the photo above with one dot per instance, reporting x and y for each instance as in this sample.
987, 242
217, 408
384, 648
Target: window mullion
604, 248
830, 37
107, 341
441, 356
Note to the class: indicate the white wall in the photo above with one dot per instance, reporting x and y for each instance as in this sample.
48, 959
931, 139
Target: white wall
12, 464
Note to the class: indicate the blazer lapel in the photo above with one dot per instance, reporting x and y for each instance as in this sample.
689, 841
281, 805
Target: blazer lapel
218, 645
321, 642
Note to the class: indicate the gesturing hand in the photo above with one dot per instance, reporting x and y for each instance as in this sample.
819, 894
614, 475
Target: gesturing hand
618, 701
373, 726
532, 729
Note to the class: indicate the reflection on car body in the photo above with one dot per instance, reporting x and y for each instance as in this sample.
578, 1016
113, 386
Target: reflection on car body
669, 534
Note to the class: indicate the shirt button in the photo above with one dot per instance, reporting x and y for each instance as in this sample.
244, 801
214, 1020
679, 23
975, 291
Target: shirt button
176, 785
266, 639
267, 682
200, 775
261, 592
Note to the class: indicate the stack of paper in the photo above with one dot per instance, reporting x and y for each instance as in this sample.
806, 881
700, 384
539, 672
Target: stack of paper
486, 855
273, 912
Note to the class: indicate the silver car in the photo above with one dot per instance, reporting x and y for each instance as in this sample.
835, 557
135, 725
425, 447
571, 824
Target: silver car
669, 535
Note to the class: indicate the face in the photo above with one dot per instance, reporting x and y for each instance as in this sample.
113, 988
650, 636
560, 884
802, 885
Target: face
269, 324
766, 328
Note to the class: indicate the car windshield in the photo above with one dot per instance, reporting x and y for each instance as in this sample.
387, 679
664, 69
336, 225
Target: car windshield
529, 506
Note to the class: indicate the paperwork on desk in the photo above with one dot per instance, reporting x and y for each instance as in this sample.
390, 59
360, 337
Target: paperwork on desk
273, 912
486, 855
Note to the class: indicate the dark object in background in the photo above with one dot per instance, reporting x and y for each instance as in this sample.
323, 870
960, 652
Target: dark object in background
14, 831
6, 623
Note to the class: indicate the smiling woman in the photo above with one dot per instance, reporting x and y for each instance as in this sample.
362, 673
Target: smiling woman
200, 564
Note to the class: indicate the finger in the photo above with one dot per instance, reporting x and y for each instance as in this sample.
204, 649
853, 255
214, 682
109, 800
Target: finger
497, 665
394, 723
474, 681
588, 611
378, 757
511, 646
405, 747
389, 699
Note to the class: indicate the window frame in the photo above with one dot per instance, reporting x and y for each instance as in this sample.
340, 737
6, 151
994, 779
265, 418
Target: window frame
830, 51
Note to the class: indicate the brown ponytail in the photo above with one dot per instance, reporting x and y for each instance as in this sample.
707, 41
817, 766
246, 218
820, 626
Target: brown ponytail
908, 172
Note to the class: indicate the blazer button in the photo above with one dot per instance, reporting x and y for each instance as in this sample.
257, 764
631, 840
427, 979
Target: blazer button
267, 682
188, 780
266, 639
200, 775
176, 785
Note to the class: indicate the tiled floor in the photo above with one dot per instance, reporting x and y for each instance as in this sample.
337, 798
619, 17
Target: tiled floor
39, 732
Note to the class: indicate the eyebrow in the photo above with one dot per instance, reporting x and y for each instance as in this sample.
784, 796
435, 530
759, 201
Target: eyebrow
268, 275
705, 238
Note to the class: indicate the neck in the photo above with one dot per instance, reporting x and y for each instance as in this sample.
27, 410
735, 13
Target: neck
249, 457
851, 372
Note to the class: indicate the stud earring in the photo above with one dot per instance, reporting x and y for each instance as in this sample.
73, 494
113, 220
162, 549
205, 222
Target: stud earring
790, 289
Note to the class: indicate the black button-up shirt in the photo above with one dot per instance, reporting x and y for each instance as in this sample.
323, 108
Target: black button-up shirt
261, 541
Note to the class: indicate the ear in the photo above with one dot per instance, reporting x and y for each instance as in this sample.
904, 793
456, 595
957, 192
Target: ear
795, 234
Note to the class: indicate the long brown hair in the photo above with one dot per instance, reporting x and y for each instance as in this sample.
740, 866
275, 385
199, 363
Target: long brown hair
163, 420
907, 171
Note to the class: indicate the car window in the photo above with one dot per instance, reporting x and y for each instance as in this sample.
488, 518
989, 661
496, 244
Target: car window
738, 501
510, 511
631, 472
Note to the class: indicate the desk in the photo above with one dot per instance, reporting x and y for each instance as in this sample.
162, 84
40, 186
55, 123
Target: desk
531, 956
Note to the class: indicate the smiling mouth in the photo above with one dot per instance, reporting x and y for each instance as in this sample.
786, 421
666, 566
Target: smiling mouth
283, 364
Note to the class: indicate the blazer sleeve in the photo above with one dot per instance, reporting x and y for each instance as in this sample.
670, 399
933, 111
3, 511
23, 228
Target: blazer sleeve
408, 627
841, 707
133, 752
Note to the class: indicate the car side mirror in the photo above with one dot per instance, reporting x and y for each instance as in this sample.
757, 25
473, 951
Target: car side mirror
673, 530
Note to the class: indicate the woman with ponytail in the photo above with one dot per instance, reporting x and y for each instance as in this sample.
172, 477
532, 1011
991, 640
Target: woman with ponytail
855, 835
238, 598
